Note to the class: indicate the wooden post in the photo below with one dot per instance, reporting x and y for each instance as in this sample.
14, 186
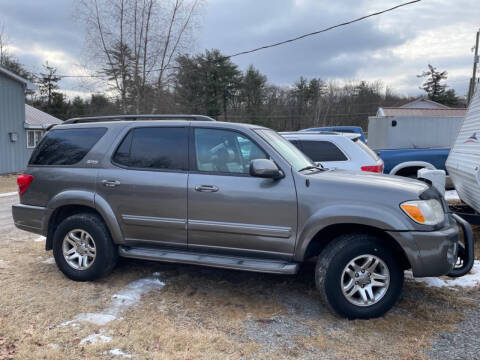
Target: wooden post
471, 88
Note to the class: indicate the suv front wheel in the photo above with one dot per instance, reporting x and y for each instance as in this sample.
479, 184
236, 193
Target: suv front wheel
358, 277
83, 248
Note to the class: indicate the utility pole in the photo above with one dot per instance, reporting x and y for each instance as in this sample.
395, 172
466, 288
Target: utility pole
471, 89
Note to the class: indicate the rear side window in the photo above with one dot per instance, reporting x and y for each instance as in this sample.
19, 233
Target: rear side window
66, 146
296, 143
320, 151
365, 148
154, 148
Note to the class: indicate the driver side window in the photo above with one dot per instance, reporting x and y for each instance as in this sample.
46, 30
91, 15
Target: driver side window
224, 151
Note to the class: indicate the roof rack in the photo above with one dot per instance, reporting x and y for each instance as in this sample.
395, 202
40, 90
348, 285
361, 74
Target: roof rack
137, 117
310, 132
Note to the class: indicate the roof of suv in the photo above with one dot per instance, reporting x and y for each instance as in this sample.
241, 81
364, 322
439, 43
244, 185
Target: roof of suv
90, 119
151, 120
313, 134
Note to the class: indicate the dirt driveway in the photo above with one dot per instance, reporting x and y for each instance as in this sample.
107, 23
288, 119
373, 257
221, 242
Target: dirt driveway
162, 311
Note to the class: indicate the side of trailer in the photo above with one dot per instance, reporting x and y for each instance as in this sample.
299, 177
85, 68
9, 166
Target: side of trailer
463, 163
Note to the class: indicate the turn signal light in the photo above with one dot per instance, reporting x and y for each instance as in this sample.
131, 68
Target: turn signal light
414, 212
23, 182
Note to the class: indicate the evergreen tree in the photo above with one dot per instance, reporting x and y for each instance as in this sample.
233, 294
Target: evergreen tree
207, 82
436, 91
252, 93
48, 83
77, 107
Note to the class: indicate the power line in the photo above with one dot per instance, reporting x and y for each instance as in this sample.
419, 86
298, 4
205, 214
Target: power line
280, 42
82, 76
323, 30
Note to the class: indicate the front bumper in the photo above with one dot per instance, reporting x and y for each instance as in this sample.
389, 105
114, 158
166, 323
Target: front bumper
432, 253
29, 218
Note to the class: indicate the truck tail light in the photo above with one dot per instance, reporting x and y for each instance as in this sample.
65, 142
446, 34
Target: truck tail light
23, 182
374, 168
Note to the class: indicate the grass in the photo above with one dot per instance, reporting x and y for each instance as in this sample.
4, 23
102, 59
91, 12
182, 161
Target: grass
201, 313
8, 183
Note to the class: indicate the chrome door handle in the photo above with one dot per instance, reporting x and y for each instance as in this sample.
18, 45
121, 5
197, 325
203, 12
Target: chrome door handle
110, 183
206, 188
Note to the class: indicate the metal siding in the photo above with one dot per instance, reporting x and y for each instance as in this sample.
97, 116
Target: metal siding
463, 163
412, 132
377, 130
13, 156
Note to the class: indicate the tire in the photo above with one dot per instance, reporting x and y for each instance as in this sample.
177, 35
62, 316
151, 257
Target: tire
331, 279
99, 262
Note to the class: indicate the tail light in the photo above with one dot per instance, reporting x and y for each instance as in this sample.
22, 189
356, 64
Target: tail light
23, 182
374, 168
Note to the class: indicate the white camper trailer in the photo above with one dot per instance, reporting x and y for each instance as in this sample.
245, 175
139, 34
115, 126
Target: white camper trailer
463, 163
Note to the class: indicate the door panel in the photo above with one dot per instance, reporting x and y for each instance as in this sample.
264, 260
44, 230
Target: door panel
246, 214
228, 210
150, 206
146, 185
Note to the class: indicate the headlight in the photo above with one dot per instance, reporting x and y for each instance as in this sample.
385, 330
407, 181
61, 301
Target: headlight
426, 212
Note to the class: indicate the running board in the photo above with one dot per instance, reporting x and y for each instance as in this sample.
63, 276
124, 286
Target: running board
220, 261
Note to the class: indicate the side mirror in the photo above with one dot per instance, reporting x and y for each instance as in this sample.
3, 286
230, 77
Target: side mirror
265, 168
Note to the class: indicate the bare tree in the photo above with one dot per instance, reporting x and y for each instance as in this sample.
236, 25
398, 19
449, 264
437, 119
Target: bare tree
3, 44
180, 21
134, 43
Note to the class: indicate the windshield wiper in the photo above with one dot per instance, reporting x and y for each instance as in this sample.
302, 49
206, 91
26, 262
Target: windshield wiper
312, 167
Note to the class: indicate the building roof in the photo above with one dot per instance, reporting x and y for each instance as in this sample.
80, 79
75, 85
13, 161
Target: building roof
422, 103
421, 107
28, 85
391, 111
37, 119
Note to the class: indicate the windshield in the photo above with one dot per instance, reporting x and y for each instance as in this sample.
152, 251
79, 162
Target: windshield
286, 149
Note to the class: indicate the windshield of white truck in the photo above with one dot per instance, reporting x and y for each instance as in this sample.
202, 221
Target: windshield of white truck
287, 150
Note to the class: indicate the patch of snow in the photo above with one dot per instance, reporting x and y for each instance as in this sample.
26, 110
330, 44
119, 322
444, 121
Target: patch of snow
49, 261
451, 195
94, 318
472, 279
94, 338
121, 301
2, 261
53, 346
8, 194
118, 352
39, 239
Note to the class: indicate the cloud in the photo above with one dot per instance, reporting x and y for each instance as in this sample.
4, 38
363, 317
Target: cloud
393, 47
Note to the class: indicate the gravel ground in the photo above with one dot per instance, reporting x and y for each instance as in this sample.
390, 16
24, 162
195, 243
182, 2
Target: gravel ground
464, 342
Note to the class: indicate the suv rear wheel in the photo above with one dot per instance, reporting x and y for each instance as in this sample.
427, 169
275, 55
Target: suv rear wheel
83, 248
358, 277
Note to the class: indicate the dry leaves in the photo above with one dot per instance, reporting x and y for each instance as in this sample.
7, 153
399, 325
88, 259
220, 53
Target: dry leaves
7, 349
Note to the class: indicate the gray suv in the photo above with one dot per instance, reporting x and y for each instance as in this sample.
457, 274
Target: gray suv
237, 196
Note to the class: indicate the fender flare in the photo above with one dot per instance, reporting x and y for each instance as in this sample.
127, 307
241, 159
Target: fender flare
407, 164
102, 206
88, 199
69, 197
381, 219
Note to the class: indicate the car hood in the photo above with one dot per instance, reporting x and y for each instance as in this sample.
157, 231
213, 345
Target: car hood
361, 184
339, 196
382, 180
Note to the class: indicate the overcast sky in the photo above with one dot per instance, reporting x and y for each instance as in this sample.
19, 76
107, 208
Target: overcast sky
393, 47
